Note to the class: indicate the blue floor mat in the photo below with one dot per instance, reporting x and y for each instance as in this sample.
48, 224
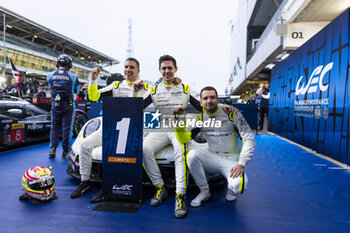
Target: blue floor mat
289, 190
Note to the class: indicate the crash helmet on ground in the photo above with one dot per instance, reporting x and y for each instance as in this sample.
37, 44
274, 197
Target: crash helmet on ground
38, 183
64, 60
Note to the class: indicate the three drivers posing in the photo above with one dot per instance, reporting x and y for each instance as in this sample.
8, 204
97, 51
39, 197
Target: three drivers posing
171, 97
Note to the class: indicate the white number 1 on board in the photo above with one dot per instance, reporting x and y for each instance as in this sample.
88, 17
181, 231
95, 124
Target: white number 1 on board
123, 127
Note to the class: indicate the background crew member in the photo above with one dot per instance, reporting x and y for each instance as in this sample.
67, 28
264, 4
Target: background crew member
83, 93
94, 140
14, 88
63, 84
264, 94
40, 92
223, 155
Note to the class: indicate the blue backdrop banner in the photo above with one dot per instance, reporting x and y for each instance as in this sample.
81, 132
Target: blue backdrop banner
122, 149
310, 97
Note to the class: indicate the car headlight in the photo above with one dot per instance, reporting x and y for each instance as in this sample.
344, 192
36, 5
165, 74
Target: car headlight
91, 127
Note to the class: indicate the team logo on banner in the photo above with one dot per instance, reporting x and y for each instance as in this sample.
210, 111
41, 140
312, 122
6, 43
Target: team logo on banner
125, 189
152, 120
315, 80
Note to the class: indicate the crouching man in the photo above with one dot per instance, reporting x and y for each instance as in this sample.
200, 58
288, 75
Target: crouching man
223, 155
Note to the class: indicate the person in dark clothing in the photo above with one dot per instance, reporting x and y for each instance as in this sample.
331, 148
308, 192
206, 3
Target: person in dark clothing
14, 88
40, 92
29, 91
83, 94
63, 84
264, 94
252, 99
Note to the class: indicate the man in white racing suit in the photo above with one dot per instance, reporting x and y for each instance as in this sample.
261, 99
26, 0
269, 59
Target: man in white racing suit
164, 96
221, 130
125, 88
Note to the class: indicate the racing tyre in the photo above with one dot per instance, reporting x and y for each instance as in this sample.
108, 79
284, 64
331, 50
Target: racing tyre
79, 122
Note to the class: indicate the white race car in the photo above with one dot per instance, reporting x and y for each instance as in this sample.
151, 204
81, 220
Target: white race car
164, 158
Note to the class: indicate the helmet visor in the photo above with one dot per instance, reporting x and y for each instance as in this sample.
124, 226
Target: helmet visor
42, 184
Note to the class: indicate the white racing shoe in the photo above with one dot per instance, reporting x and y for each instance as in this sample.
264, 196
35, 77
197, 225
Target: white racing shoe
203, 196
160, 196
230, 195
180, 206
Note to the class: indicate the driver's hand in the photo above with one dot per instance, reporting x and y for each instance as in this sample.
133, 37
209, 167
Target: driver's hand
179, 110
138, 85
95, 72
177, 80
237, 171
229, 109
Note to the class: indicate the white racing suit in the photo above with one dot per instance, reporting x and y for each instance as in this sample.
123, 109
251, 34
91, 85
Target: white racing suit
165, 98
223, 150
94, 140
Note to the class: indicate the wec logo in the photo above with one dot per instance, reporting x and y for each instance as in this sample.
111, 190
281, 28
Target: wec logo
315, 80
125, 187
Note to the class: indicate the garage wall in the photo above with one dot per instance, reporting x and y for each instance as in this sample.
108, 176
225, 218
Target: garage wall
310, 96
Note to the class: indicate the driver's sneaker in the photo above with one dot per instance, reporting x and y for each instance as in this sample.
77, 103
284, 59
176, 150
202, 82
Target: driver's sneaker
52, 153
160, 196
230, 195
203, 196
64, 153
83, 188
97, 197
180, 205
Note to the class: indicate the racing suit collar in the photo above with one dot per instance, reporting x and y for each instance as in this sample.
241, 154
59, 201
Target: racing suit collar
209, 115
167, 85
129, 82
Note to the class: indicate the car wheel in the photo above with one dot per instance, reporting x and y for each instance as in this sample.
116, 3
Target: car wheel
79, 122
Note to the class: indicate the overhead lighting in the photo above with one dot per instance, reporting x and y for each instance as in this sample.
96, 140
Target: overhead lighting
8, 26
89, 57
270, 66
35, 36
99, 61
76, 52
284, 56
82, 58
